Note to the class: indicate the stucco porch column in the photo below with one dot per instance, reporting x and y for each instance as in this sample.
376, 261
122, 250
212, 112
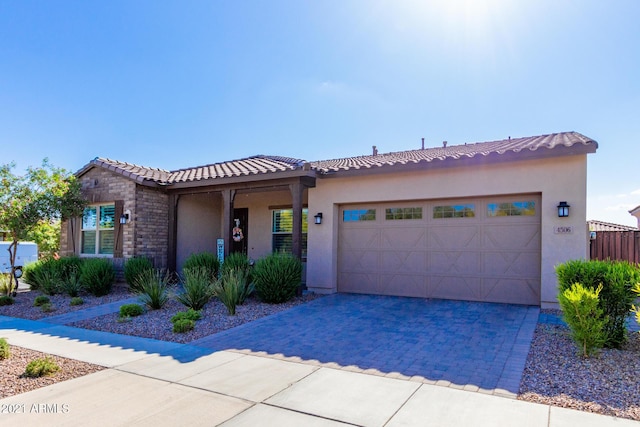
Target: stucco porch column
228, 195
297, 190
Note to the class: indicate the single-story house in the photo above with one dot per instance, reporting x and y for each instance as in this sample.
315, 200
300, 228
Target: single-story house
483, 221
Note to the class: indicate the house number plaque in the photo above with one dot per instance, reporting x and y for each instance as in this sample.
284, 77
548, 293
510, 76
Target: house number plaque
566, 229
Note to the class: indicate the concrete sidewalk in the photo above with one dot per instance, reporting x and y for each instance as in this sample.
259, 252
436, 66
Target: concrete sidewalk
158, 383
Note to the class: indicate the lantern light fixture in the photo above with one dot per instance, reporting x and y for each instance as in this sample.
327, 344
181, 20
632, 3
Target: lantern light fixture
318, 218
563, 209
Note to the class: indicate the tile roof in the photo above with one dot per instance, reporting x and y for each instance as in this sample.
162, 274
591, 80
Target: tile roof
515, 145
607, 226
261, 164
129, 170
244, 167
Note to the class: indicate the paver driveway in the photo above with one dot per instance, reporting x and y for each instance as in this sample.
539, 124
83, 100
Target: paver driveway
476, 346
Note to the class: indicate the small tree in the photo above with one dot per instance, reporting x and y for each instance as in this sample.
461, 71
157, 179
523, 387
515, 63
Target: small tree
45, 193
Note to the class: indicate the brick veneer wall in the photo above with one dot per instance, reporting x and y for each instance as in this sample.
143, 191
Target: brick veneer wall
152, 218
146, 233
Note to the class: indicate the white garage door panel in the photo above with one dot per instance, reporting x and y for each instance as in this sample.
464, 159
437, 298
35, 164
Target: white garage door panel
478, 258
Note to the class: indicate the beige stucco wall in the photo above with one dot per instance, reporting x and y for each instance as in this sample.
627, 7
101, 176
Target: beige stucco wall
557, 179
199, 225
200, 221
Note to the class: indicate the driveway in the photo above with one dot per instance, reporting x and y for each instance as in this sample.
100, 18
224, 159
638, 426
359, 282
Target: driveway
466, 345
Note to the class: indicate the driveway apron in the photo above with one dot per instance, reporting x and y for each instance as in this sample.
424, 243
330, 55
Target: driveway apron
468, 345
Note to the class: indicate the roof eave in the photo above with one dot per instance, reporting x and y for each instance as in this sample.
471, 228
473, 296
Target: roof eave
465, 161
241, 179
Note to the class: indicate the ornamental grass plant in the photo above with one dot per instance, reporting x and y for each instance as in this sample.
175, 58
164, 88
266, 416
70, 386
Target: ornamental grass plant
153, 287
197, 288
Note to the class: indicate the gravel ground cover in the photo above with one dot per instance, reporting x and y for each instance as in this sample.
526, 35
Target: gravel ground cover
12, 382
157, 323
555, 374
23, 306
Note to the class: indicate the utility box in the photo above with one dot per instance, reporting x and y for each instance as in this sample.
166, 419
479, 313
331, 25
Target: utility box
27, 252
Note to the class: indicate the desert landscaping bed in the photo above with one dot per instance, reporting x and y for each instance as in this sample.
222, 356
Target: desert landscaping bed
607, 383
13, 382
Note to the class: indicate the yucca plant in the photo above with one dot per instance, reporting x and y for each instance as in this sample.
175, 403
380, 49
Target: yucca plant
153, 287
197, 288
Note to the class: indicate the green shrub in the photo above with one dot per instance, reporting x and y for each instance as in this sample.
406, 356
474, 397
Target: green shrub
634, 308
49, 278
277, 277
68, 266
32, 271
189, 314
203, 260
580, 307
235, 261
47, 307
97, 275
5, 350
232, 289
197, 288
50, 275
615, 299
76, 301
41, 367
134, 267
183, 325
6, 300
41, 300
5, 283
153, 287
71, 284
131, 310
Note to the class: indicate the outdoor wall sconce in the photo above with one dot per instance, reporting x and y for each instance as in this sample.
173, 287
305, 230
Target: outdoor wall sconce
563, 210
318, 218
125, 217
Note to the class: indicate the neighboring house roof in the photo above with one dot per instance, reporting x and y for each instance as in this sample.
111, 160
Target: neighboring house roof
539, 146
635, 210
607, 226
557, 144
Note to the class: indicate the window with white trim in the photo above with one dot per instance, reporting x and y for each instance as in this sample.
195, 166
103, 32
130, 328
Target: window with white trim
282, 230
98, 229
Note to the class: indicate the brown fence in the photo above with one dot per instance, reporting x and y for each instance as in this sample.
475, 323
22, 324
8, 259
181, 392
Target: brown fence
616, 245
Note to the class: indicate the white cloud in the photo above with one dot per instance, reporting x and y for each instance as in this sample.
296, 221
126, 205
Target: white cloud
636, 192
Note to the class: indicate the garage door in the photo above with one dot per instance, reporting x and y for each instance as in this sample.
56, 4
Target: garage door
484, 249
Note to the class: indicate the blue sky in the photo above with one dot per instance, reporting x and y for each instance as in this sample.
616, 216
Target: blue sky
173, 84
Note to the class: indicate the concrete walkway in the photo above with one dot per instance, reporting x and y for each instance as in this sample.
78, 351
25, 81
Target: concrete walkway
158, 383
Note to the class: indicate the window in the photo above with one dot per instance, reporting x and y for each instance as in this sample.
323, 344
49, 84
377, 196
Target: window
454, 211
511, 209
98, 223
282, 230
403, 213
355, 215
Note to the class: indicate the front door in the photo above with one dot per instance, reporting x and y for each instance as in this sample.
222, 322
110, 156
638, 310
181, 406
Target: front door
240, 230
